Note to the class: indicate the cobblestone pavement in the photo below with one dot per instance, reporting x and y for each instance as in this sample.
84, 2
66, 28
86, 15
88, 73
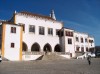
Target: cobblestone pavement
72, 66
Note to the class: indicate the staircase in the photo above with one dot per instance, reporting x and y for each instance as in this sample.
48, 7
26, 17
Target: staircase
4, 59
52, 56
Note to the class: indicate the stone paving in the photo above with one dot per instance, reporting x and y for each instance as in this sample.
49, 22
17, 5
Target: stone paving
73, 66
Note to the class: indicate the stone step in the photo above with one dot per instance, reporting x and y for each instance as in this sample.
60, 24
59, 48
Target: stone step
52, 57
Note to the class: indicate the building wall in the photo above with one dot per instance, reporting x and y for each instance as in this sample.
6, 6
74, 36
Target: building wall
91, 44
31, 38
69, 47
79, 43
9, 52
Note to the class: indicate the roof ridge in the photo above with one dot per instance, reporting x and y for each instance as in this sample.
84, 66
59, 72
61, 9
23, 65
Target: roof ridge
38, 15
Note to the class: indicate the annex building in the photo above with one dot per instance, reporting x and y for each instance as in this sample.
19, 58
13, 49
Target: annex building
27, 36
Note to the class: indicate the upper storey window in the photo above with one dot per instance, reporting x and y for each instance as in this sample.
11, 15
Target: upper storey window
90, 41
68, 33
32, 28
41, 30
81, 40
77, 39
57, 32
13, 29
86, 40
69, 41
50, 31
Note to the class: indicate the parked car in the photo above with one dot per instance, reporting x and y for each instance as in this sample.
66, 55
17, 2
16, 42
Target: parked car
0, 59
86, 54
81, 57
98, 54
92, 54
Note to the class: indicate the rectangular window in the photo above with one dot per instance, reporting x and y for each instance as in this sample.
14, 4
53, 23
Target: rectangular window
12, 45
90, 41
81, 40
87, 49
77, 48
13, 29
77, 39
41, 30
50, 31
57, 32
86, 40
32, 28
68, 33
82, 49
69, 41
71, 34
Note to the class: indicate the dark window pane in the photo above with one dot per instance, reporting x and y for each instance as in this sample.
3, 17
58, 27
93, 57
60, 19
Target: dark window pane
12, 45
31, 28
69, 41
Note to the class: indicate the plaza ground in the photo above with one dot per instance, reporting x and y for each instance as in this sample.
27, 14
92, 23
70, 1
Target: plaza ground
73, 66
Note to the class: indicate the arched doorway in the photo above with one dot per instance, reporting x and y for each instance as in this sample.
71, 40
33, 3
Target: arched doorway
57, 48
24, 47
47, 47
35, 47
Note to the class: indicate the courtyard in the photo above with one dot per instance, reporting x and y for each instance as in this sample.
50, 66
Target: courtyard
72, 66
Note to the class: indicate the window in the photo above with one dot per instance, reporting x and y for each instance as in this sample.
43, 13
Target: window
82, 49
12, 45
13, 29
77, 39
91, 41
68, 33
50, 31
81, 40
69, 41
41, 30
32, 28
57, 32
71, 33
86, 40
87, 49
77, 48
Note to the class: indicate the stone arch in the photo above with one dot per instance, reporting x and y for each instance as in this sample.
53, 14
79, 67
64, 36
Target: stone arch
24, 47
57, 48
35, 47
47, 47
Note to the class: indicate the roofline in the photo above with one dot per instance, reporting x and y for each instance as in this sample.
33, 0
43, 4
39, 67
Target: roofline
38, 15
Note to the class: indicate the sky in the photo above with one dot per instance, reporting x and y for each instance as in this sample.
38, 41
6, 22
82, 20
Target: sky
80, 15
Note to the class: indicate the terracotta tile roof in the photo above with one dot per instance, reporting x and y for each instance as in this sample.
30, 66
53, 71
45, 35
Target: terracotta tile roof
38, 15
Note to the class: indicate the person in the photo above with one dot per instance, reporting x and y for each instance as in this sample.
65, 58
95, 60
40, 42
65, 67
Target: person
89, 59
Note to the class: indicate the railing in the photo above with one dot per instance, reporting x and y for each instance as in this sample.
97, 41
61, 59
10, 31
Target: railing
33, 53
62, 53
43, 53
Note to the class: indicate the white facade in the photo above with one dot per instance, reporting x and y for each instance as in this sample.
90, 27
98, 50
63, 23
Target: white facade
11, 42
30, 38
38, 33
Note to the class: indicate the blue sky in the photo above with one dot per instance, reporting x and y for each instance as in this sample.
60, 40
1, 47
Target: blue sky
80, 15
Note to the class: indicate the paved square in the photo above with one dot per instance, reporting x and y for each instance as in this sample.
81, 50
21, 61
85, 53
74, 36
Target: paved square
72, 66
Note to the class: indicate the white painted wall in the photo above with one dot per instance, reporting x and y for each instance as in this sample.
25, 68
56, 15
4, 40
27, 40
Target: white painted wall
12, 53
93, 44
84, 44
69, 47
31, 38
30, 57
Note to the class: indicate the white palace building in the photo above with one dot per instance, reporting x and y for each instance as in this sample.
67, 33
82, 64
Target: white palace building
28, 36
